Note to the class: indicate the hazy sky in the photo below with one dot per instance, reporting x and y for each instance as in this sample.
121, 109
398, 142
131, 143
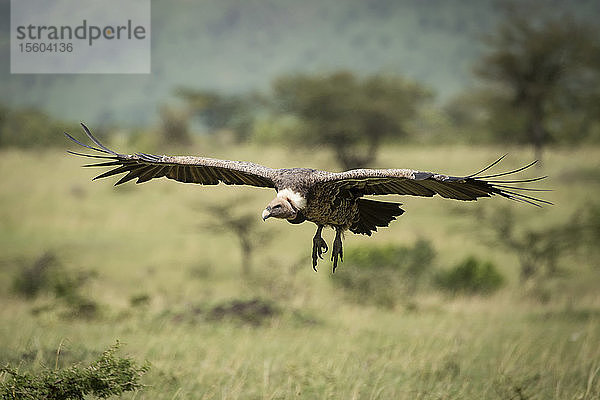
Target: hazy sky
237, 46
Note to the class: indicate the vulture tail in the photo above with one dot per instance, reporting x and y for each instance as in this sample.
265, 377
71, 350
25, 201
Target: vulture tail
372, 214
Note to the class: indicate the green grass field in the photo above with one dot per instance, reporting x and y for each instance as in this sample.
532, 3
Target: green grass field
150, 242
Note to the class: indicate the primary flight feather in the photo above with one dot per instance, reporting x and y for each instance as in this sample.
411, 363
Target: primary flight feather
332, 199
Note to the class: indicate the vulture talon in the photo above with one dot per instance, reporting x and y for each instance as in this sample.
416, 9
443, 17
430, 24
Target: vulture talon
324, 247
337, 252
318, 245
314, 260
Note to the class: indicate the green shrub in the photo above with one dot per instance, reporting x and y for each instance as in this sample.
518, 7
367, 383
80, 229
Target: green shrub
544, 253
386, 274
174, 127
47, 275
140, 300
105, 377
255, 311
34, 278
471, 276
28, 127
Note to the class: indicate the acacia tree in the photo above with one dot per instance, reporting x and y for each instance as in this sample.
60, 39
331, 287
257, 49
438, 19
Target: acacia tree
350, 116
243, 226
222, 111
174, 126
542, 67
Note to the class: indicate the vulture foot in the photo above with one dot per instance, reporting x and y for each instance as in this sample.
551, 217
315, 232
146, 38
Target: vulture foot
319, 247
337, 250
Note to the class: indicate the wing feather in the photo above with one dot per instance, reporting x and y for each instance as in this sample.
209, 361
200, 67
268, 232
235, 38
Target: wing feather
115, 171
129, 176
188, 169
149, 173
362, 182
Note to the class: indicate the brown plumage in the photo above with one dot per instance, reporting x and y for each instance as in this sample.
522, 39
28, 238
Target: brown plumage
324, 198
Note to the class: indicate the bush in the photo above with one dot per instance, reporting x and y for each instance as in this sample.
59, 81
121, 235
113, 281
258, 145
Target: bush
29, 127
471, 276
47, 275
34, 278
105, 377
174, 127
543, 252
254, 312
384, 275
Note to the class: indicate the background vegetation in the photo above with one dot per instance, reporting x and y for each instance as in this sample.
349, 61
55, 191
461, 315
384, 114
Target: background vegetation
234, 47
144, 268
492, 299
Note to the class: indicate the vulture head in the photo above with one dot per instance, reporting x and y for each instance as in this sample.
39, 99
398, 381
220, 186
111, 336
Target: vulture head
279, 207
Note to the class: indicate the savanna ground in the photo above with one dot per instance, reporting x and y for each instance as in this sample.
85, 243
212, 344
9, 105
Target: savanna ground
155, 271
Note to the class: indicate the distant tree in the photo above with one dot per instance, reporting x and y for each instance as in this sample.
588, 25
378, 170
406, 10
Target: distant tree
544, 68
243, 226
219, 111
348, 115
541, 251
29, 127
174, 126
469, 114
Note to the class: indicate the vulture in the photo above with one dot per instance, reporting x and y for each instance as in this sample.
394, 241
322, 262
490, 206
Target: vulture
333, 199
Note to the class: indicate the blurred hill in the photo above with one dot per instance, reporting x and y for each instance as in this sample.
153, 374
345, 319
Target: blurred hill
236, 46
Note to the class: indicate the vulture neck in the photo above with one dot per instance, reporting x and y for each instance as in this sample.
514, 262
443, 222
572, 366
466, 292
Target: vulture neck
297, 201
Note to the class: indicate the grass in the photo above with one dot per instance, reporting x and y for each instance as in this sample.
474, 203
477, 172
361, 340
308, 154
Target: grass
147, 241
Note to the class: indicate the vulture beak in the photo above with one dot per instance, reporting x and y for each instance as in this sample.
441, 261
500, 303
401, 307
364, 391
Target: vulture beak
266, 213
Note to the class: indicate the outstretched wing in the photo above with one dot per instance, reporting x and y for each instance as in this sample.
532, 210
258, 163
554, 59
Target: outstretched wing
188, 169
359, 182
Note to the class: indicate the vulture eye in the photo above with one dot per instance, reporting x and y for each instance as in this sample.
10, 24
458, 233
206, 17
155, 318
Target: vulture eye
277, 206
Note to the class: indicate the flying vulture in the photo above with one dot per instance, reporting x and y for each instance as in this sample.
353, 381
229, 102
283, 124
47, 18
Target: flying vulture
332, 199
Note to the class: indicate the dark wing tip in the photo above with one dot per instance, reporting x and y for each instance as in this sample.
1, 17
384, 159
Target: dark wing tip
93, 139
507, 188
81, 144
134, 166
107, 156
488, 167
514, 171
101, 148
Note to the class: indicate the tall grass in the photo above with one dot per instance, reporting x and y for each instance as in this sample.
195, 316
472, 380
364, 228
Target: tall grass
144, 242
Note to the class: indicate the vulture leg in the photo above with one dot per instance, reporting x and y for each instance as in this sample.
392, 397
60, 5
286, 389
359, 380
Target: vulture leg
337, 250
319, 247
